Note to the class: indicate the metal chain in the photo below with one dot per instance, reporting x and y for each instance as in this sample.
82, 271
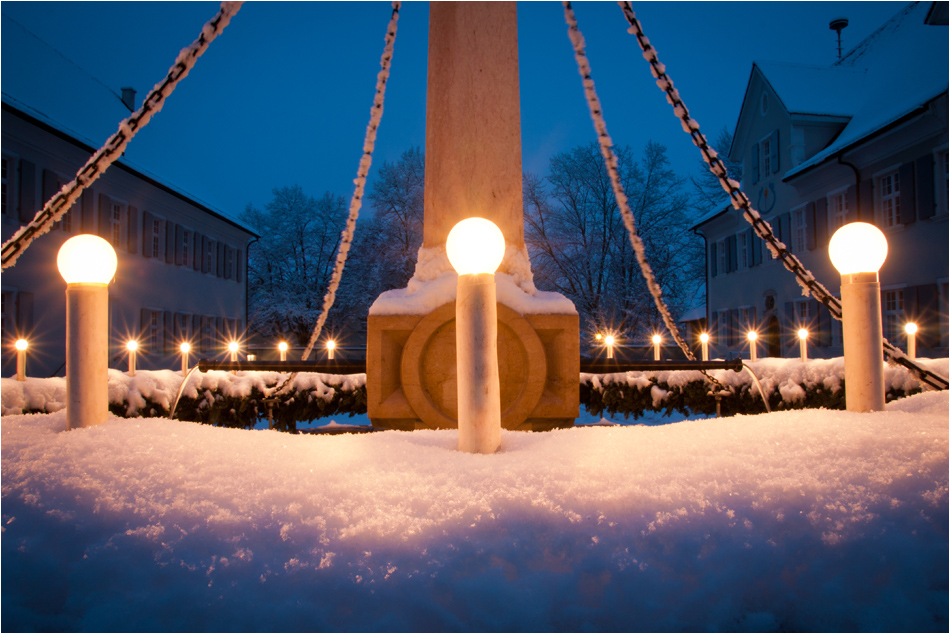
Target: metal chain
64, 199
610, 161
741, 202
369, 142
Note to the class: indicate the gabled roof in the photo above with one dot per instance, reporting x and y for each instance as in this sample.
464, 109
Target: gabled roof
906, 67
815, 90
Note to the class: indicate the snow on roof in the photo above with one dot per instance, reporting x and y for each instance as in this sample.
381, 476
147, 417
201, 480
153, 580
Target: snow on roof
695, 314
819, 90
906, 67
709, 215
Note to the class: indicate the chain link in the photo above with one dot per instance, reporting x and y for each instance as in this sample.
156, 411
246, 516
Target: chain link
741, 202
64, 199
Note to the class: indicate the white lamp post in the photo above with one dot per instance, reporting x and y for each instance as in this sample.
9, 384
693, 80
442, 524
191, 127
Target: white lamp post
185, 349
704, 340
282, 346
609, 341
803, 343
475, 247
233, 349
911, 329
21, 345
132, 347
331, 346
657, 339
87, 263
858, 250
753, 352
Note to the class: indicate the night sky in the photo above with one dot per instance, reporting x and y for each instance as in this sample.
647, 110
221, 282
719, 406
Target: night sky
283, 96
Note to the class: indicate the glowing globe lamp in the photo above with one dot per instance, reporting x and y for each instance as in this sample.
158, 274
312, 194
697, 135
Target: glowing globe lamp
858, 247
858, 251
87, 259
476, 247
87, 263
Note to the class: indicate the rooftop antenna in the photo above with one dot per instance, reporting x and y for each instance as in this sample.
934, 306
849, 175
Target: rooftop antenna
838, 25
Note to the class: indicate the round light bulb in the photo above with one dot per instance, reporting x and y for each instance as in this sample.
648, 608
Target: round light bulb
132, 346
331, 344
803, 334
185, 347
598, 336
475, 245
233, 346
704, 338
609, 340
21, 344
858, 247
910, 328
657, 339
753, 335
282, 346
86, 259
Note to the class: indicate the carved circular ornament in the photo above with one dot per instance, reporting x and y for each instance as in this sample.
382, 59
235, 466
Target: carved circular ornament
430, 376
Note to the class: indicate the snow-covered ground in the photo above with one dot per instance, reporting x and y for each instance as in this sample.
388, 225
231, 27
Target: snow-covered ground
802, 520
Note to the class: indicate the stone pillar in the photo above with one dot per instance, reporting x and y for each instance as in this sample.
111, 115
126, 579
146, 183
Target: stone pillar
473, 120
473, 168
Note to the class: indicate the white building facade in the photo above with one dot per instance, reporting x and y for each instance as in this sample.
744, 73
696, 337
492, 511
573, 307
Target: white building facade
864, 139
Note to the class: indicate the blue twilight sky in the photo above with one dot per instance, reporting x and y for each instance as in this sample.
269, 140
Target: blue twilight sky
283, 96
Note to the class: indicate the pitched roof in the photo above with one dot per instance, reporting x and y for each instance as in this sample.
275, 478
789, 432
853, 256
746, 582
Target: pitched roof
817, 90
905, 66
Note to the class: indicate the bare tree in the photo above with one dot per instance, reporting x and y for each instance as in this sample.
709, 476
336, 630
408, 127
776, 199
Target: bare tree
289, 267
707, 193
580, 247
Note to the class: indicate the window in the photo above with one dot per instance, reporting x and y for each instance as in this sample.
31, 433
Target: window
156, 234
209, 257
182, 333
893, 314
116, 223
722, 334
743, 250
889, 199
6, 314
722, 257
151, 330
228, 263
799, 231
186, 248
207, 334
66, 222
8, 186
766, 154
837, 211
746, 319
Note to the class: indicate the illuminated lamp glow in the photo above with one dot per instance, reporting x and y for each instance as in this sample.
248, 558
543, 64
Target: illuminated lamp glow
858, 247
86, 259
475, 245
21, 344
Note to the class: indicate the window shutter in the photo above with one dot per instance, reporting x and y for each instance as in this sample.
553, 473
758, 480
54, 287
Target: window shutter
908, 199
756, 243
773, 151
821, 223
169, 242
824, 326
27, 191
198, 254
105, 217
179, 241
222, 331
810, 226
754, 324
735, 327
733, 255
147, 220
144, 328
713, 260
926, 201
50, 186
786, 223
219, 269
237, 266
196, 331
133, 229
228, 262
851, 200
205, 245
714, 327
790, 326
756, 162
24, 312
87, 211
927, 315
866, 213
161, 240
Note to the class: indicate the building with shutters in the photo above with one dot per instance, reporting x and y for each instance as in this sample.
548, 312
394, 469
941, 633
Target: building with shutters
181, 264
864, 139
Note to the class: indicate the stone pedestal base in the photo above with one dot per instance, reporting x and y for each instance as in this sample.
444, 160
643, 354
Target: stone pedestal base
411, 370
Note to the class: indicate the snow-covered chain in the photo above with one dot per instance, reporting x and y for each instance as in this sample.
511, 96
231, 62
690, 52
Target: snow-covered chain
346, 239
610, 161
63, 200
810, 286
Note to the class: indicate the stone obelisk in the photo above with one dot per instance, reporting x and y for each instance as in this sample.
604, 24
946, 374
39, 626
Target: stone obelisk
473, 168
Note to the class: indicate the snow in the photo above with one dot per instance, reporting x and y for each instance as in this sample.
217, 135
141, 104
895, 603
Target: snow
802, 520
818, 90
434, 283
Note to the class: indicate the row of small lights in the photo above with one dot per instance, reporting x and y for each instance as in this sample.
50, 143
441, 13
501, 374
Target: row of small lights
610, 341
132, 347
